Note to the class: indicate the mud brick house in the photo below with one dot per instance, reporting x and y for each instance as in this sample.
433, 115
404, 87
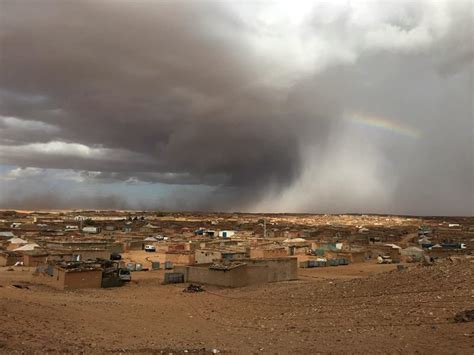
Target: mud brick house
205, 256
241, 273
71, 277
268, 253
175, 257
8, 258
35, 258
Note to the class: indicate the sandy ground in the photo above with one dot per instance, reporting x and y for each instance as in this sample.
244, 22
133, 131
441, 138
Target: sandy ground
365, 308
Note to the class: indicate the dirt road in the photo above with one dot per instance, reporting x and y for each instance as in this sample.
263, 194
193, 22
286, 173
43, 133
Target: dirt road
395, 312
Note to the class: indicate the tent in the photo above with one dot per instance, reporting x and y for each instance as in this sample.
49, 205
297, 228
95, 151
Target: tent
16, 240
27, 247
412, 251
294, 240
394, 246
150, 239
7, 235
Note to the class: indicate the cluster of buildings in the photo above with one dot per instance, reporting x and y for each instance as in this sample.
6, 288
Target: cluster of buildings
89, 249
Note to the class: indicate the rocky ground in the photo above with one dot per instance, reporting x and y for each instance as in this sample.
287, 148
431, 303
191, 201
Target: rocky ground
356, 310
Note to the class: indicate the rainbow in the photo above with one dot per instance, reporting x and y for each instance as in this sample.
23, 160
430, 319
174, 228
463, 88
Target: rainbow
385, 124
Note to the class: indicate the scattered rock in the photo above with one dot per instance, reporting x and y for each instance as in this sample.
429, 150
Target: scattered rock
464, 316
193, 288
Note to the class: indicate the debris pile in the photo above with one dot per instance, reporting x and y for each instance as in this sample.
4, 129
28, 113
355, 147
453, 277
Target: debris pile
464, 316
192, 288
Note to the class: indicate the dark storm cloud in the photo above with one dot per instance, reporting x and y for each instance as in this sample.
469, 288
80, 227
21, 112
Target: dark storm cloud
51, 200
151, 79
198, 93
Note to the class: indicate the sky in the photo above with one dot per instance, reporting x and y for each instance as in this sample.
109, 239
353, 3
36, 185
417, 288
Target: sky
257, 106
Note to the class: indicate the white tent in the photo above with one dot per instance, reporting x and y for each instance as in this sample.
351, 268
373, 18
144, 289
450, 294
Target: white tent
27, 247
17, 241
394, 246
7, 235
412, 251
294, 240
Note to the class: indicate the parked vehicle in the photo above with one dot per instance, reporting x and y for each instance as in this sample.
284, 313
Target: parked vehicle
384, 259
125, 275
150, 248
115, 256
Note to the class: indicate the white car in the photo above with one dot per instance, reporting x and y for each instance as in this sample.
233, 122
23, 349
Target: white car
150, 248
124, 275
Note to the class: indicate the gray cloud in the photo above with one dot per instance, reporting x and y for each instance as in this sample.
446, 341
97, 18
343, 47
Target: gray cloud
207, 93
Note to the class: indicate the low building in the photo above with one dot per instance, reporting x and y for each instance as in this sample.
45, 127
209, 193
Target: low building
73, 279
175, 257
241, 273
73, 275
202, 256
91, 229
9, 258
226, 234
36, 258
445, 252
260, 253
231, 255
90, 254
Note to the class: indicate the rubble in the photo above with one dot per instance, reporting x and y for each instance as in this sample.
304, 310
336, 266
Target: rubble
464, 316
192, 288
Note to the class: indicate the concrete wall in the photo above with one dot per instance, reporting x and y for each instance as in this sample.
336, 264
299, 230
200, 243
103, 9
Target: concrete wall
357, 257
92, 254
8, 260
272, 270
175, 258
179, 247
268, 253
236, 277
71, 280
34, 260
443, 253
206, 256
133, 245
252, 272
